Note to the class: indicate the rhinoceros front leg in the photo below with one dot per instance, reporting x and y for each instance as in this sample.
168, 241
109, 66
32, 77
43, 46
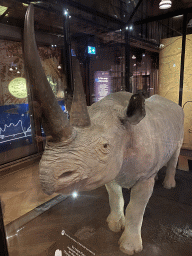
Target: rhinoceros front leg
116, 219
130, 241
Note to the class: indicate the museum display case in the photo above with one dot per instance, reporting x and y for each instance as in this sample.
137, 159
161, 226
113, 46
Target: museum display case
18, 139
120, 45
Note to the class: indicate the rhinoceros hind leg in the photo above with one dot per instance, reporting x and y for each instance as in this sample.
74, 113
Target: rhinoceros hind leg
169, 181
116, 219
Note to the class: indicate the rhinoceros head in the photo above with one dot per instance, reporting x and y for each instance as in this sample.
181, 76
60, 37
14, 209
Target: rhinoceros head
83, 153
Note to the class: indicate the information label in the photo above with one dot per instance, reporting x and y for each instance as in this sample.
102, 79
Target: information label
69, 246
102, 84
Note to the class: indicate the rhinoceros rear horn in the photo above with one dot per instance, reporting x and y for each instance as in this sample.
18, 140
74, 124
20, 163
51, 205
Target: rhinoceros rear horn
56, 122
136, 109
79, 116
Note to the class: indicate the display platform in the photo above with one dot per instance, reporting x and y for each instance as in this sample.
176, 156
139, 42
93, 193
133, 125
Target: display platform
80, 224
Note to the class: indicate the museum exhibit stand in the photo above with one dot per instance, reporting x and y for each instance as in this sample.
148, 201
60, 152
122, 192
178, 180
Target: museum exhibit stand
63, 65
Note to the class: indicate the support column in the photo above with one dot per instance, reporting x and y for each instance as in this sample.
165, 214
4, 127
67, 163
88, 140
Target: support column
127, 61
67, 54
182, 59
127, 49
87, 80
3, 241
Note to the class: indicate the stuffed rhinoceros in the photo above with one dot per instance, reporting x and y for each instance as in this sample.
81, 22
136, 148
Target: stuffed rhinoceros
121, 141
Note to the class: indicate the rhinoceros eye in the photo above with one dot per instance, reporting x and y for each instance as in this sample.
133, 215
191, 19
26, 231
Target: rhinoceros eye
105, 145
102, 148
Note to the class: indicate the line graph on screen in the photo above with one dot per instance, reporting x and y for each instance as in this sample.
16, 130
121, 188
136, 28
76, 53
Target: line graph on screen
14, 132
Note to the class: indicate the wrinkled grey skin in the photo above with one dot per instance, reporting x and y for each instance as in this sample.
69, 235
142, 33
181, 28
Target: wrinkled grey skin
122, 142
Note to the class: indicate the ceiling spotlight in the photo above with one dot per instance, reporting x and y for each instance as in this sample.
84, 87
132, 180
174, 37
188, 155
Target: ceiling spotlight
165, 4
66, 12
133, 57
131, 28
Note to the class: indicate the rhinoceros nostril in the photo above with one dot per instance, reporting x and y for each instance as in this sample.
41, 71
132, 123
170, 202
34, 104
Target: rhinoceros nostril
65, 174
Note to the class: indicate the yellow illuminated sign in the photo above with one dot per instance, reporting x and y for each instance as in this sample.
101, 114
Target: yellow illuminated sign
17, 87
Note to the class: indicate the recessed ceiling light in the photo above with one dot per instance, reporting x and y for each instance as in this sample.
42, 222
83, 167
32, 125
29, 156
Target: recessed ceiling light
165, 4
178, 16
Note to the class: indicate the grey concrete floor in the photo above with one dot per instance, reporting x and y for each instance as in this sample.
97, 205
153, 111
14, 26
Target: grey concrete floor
166, 230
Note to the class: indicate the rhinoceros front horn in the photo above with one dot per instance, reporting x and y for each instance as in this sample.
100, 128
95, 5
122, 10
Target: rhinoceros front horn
55, 121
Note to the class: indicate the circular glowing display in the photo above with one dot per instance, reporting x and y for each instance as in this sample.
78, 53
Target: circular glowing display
17, 87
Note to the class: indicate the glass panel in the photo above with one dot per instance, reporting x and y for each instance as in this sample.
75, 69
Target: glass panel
15, 128
187, 88
170, 58
20, 191
103, 72
36, 223
144, 71
18, 138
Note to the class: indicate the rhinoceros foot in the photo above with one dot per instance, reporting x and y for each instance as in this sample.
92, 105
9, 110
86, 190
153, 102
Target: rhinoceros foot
116, 223
130, 243
169, 182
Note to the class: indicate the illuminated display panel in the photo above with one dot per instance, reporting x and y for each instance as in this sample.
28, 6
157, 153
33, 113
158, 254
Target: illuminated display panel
102, 84
15, 127
91, 50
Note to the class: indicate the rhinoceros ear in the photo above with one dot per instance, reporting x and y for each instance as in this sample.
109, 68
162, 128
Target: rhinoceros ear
136, 109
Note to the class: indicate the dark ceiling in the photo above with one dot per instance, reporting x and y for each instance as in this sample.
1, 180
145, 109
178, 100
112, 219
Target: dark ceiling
99, 17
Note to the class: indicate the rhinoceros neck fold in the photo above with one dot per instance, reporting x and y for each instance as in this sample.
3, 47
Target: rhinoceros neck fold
56, 121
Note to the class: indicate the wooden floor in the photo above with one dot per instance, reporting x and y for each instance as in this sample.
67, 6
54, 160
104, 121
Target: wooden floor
21, 192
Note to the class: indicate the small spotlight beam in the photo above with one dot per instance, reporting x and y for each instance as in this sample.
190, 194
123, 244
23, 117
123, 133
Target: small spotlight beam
74, 194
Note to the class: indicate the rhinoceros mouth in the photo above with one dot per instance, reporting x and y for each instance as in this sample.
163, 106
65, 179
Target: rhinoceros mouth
48, 188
